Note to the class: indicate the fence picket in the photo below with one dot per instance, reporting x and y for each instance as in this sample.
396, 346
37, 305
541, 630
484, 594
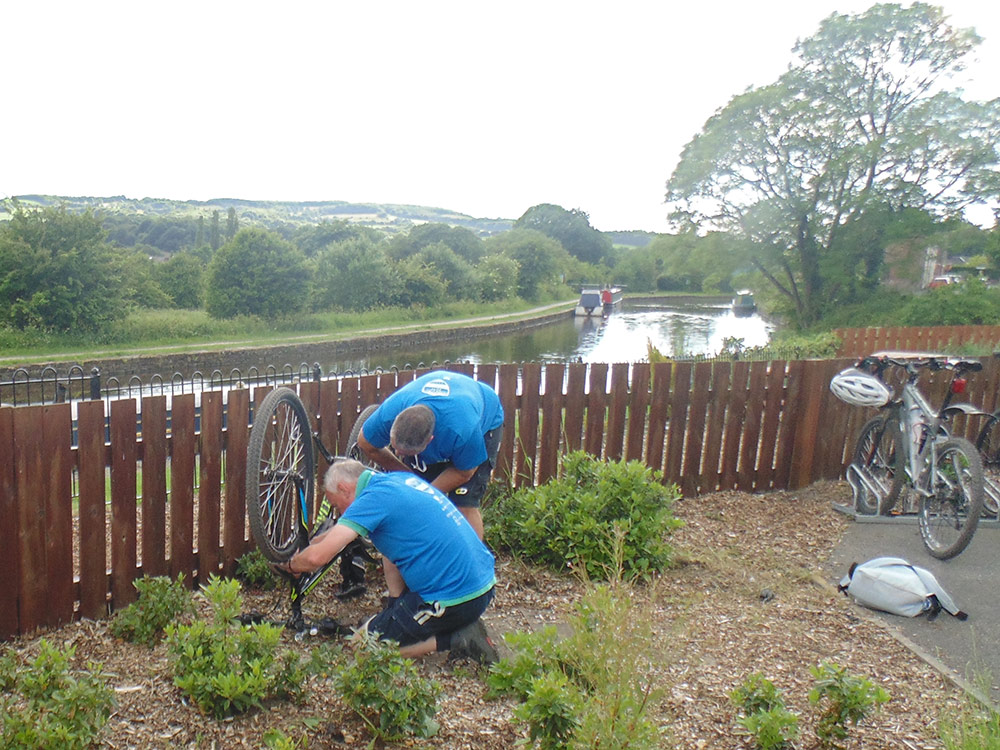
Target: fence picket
154, 485
614, 434
210, 484
124, 454
10, 559
92, 458
234, 539
638, 403
182, 457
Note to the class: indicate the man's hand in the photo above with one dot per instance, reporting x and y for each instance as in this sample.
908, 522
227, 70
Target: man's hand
284, 569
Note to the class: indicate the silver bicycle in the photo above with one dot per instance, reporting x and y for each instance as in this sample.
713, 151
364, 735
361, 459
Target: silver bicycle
908, 446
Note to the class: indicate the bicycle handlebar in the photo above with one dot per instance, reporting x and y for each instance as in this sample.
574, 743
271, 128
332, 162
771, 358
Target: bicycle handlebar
880, 361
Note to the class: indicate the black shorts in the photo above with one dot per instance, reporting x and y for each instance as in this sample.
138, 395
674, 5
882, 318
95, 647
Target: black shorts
409, 619
470, 494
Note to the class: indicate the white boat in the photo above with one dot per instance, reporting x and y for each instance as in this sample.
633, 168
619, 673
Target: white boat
594, 300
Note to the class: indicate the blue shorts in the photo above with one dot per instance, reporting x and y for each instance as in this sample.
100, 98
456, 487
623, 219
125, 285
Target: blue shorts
409, 619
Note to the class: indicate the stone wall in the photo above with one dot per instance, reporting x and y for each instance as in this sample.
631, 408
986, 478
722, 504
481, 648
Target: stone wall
243, 359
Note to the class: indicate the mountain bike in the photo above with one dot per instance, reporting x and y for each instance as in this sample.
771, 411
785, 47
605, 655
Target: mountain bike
908, 445
281, 489
988, 444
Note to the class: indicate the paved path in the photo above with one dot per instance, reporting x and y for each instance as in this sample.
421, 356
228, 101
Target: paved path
971, 648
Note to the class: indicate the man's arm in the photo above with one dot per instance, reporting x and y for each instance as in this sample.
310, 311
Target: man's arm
382, 456
322, 549
451, 478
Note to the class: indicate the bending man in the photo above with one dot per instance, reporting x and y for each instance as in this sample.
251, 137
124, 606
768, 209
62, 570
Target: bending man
439, 574
445, 427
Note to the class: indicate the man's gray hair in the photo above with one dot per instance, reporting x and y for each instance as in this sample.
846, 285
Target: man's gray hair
345, 470
412, 429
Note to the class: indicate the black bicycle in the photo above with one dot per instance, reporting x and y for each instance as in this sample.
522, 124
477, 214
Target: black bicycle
281, 492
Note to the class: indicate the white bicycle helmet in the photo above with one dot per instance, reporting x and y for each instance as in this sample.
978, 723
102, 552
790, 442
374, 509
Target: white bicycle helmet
859, 388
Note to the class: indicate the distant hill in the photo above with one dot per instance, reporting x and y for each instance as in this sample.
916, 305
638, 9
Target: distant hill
277, 215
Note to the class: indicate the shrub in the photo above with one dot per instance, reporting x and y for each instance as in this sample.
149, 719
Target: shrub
255, 571
160, 602
46, 704
846, 698
605, 519
227, 668
385, 690
764, 714
591, 689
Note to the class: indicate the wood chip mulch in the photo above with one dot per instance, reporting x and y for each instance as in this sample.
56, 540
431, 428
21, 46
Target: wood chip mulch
748, 594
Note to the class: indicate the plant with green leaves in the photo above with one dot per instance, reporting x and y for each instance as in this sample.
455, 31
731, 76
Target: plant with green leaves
255, 571
810, 170
603, 519
227, 668
973, 726
275, 739
160, 602
45, 703
846, 698
384, 689
592, 688
763, 713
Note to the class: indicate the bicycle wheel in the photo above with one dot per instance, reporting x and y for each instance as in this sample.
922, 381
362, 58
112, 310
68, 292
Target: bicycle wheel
281, 475
988, 444
950, 512
876, 455
353, 451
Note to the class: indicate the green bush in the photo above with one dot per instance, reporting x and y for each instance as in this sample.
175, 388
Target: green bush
604, 519
46, 704
764, 714
845, 698
227, 668
591, 689
255, 570
385, 690
160, 602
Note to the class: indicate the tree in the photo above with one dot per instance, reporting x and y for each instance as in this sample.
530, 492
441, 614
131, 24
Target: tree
462, 241
496, 278
313, 238
449, 266
257, 273
571, 228
539, 258
862, 124
181, 277
232, 224
355, 274
58, 272
214, 239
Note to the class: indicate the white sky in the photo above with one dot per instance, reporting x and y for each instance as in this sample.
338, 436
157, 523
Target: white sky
482, 107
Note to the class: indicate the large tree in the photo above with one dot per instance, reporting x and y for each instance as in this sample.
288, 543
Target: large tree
58, 272
571, 228
257, 273
863, 123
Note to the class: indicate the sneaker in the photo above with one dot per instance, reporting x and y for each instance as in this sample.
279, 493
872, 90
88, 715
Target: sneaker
473, 642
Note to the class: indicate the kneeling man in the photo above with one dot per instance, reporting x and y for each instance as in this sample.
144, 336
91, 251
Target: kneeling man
439, 574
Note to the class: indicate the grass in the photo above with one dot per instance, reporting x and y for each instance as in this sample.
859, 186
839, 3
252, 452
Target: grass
144, 331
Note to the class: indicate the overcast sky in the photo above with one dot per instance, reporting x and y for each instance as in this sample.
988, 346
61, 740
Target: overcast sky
482, 107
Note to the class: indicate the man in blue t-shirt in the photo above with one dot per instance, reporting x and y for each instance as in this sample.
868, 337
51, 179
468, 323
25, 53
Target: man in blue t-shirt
445, 427
439, 574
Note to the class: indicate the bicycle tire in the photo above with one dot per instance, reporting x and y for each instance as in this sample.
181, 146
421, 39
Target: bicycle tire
950, 513
988, 445
281, 475
876, 451
353, 451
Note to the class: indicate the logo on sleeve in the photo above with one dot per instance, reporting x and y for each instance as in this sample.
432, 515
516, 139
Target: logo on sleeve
437, 387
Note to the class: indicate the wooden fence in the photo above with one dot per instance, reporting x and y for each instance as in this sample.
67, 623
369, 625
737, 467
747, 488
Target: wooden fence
858, 342
89, 503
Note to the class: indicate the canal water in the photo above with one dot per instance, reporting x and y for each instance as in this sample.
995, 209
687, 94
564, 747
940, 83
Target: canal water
675, 330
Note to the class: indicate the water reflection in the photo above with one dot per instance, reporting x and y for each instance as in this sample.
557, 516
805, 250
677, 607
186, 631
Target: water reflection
675, 331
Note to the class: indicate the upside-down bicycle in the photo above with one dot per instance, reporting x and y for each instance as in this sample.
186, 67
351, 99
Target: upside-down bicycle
281, 491
908, 445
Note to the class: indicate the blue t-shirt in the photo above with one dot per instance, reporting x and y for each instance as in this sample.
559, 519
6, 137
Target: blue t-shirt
424, 535
464, 411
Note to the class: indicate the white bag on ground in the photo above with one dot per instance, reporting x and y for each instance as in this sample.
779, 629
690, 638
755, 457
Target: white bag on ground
891, 584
